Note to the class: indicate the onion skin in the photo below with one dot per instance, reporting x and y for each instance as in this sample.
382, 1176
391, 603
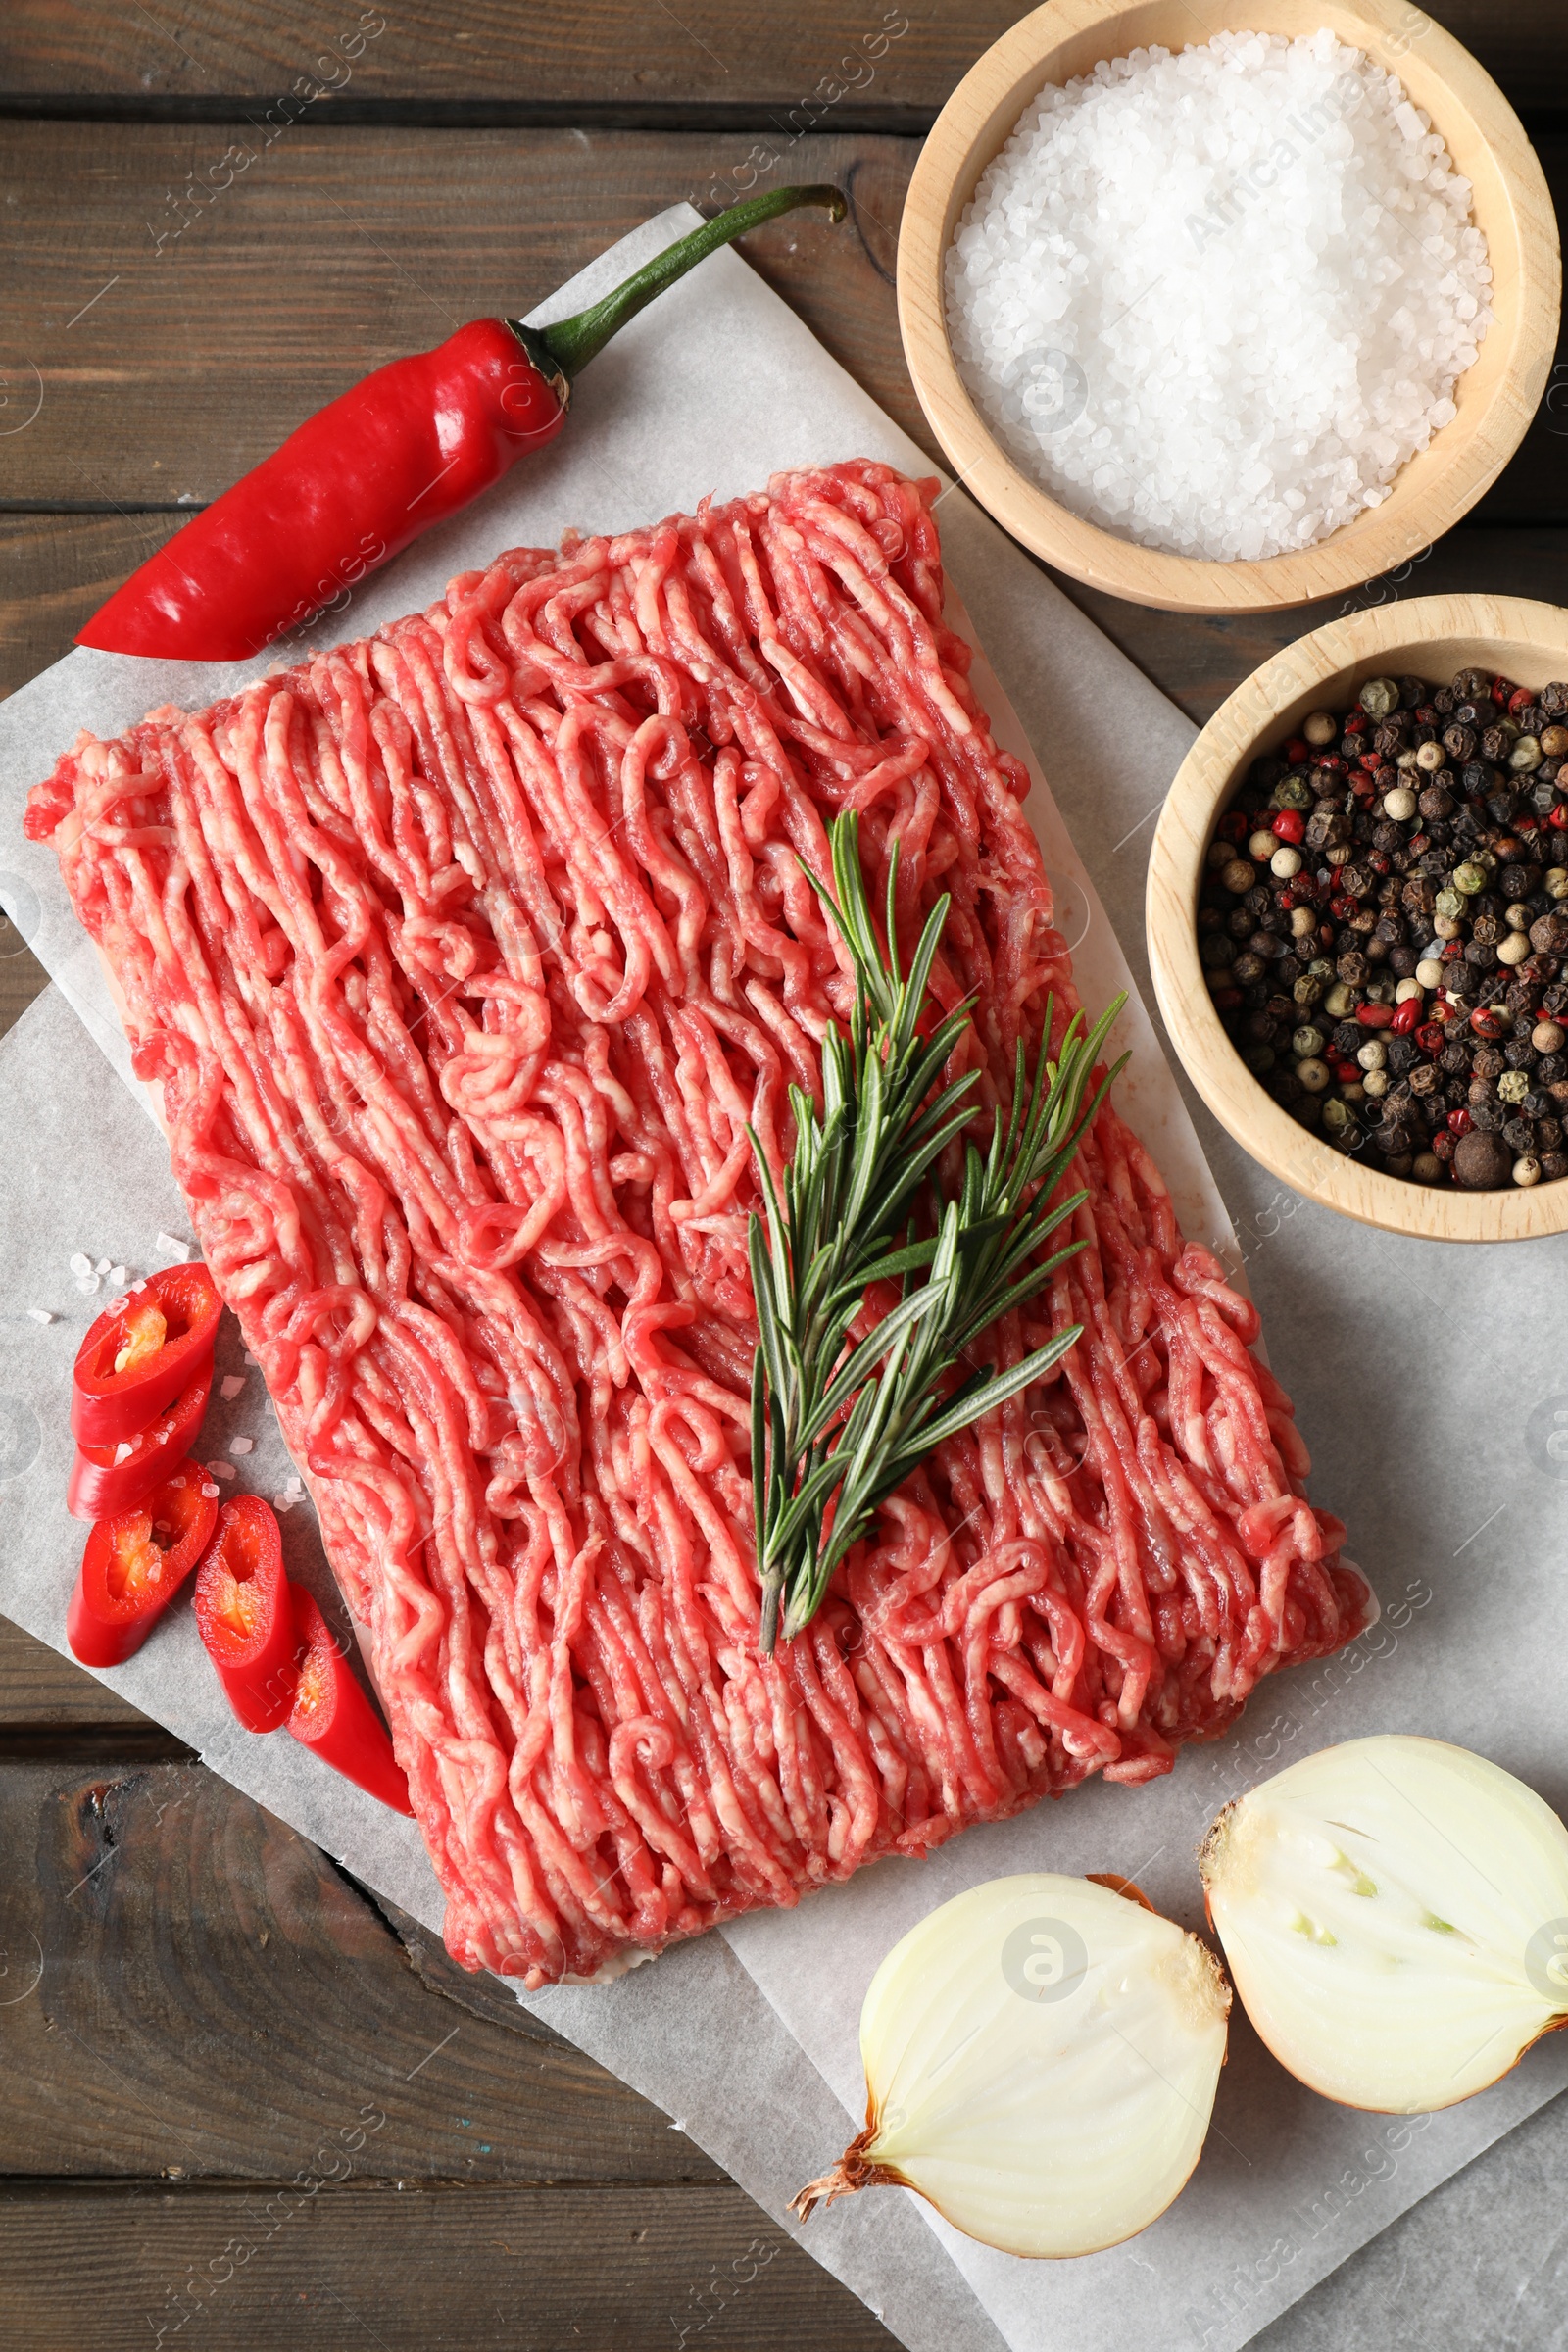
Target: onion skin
1390, 1910
1042, 2055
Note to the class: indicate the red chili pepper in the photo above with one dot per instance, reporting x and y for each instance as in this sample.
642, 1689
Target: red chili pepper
243, 1614
1405, 1016
135, 1563
142, 1352
405, 449
106, 1479
1289, 825
1376, 1017
332, 1715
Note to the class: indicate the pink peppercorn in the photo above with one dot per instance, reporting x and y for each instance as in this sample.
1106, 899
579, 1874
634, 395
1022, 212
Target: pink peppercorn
1375, 1016
1405, 1016
1459, 1122
1290, 826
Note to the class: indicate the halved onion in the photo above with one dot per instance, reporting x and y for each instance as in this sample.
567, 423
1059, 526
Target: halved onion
1041, 2059
1395, 1914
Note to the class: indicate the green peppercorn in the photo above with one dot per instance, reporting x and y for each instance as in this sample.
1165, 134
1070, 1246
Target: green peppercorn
1307, 1043
1336, 1115
1449, 904
1380, 695
1526, 756
1469, 877
1292, 792
1513, 1086
1306, 991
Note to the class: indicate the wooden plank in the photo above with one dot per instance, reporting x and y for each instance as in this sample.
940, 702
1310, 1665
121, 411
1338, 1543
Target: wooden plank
1198, 659
620, 61
40, 1692
193, 1989
642, 2269
161, 375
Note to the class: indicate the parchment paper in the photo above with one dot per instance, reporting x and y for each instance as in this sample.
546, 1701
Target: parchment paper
1409, 1365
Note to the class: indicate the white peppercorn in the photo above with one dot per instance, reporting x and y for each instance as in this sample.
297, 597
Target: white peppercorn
1286, 863
1262, 845
1373, 1056
1547, 1037
1430, 756
1399, 804
1428, 974
1554, 882
1513, 949
1527, 1170
1320, 727
1518, 917
1375, 1084
1303, 922
1313, 1074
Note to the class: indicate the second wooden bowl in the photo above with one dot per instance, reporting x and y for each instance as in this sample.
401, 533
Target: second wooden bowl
1431, 638
1495, 399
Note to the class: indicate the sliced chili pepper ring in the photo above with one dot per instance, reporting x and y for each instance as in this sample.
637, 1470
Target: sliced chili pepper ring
332, 1715
243, 1614
135, 1563
142, 1352
106, 1479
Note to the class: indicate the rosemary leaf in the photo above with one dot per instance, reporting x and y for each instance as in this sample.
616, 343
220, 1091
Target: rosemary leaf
838, 1423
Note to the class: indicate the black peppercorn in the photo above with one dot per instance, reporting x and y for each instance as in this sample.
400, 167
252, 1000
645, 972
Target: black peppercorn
1553, 699
1487, 1116
1520, 1135
1402, 1052
1554, 1165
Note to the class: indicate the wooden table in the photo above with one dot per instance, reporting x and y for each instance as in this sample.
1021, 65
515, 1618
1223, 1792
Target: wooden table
193, 2000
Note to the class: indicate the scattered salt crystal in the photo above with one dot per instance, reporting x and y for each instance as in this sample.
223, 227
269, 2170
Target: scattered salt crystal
209, 1492
242, 1445
81, 1263
251, 1359
123, 1450
231, 1386
40, 1315
1215, 301
117, 1276
218, 1469
172, 1248
285, 1501
88, 1284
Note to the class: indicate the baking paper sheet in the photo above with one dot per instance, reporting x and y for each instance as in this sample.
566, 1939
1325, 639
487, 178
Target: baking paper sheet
1409, 1365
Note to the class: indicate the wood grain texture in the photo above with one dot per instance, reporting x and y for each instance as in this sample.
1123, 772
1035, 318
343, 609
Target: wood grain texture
40, 1691
164, 375
328, 2269
619, 58
211, 1992
1496, 398
1430, 637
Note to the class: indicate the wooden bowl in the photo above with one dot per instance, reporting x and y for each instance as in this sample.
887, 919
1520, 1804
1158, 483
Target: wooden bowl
1495, 399
1430, 637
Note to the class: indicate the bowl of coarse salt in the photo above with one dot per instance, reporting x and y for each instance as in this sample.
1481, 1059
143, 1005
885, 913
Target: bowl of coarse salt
1430, 638
1228, 324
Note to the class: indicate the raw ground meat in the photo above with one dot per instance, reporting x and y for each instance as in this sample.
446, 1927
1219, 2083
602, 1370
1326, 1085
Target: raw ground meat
464, 954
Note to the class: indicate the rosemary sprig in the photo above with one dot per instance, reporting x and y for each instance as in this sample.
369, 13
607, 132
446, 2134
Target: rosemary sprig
836, 1427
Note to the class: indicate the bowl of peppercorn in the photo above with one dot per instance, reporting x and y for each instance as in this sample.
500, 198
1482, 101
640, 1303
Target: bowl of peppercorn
1358, 917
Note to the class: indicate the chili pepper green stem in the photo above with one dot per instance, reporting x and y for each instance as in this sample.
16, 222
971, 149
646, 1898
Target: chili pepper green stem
573, 342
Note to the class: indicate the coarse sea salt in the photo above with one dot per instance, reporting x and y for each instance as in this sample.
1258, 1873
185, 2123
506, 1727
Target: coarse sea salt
1214, 301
